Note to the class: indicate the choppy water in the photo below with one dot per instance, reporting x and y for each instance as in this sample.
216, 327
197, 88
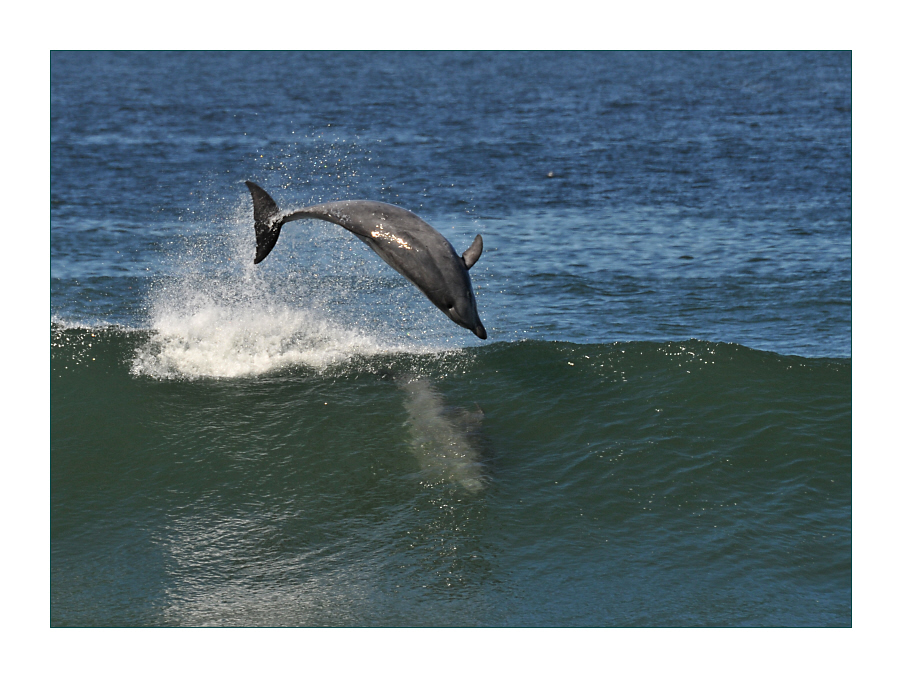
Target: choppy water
657, 431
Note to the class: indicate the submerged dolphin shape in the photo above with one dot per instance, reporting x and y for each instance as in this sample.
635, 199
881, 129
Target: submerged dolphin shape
442, 438
404, 241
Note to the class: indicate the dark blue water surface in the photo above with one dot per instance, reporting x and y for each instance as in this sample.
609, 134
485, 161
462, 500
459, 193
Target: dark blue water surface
660, 418
704, 195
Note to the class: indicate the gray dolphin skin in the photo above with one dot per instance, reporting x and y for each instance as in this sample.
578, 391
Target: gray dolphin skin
404, 241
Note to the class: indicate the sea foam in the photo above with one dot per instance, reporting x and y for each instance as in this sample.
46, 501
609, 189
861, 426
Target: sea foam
237, 341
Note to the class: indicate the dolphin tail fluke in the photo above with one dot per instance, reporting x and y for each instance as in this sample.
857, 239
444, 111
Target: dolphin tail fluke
267, 225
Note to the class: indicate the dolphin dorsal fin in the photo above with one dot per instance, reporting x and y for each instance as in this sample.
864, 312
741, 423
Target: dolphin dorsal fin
474, 251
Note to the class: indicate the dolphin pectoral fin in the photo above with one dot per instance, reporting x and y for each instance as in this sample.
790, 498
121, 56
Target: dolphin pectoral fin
266, 226
474, 251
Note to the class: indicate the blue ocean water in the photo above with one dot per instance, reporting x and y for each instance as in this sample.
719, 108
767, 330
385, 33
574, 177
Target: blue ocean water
656, 432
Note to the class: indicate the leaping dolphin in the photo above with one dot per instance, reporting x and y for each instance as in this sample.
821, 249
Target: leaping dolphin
404, 241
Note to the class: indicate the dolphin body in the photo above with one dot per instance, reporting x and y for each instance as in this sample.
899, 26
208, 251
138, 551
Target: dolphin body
404, 241
443, 438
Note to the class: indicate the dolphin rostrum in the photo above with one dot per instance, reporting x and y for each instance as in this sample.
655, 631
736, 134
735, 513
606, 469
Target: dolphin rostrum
404, 241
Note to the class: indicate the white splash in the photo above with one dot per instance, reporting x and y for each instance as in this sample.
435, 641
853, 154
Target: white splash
242, 340
241, 324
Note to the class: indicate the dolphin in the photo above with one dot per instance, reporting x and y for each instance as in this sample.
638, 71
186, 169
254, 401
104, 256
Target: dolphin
404, 241
443, 439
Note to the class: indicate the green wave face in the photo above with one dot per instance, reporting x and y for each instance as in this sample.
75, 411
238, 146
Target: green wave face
526, 483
